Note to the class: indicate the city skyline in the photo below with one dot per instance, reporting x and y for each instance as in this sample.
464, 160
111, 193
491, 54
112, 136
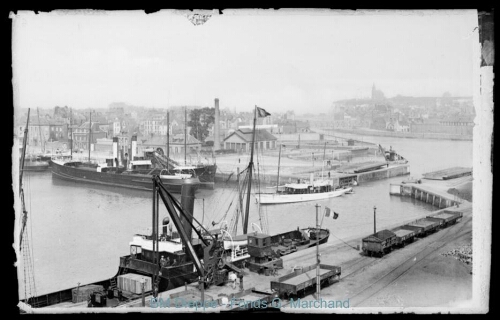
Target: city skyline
289, 60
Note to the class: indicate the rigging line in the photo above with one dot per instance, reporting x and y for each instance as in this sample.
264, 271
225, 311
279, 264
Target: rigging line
344, 242
27, 248
220, 203
32, 257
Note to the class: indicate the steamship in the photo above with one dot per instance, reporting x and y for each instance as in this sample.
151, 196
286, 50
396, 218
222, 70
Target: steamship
133, 174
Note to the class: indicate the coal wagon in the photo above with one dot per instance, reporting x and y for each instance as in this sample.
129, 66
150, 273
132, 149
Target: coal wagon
404, 236
427, 226
448, 217
379, 243
299, 282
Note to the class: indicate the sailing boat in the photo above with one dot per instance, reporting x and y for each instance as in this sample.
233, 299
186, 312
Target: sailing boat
280, 244
24, 246
35, 162
303, 191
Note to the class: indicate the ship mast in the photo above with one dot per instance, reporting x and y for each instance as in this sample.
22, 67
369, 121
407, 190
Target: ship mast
29, 280
90, 132
168, 140
279, 161
40, 130
185, 134
250, 166
21, 164
71, 129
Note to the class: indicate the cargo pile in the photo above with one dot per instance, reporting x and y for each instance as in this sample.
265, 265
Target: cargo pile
463, 254
131, 282
82, 293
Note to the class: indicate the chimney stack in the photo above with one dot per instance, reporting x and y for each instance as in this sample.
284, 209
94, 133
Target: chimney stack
217, 126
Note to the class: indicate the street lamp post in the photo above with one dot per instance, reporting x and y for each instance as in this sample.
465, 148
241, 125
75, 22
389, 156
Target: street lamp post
318, 283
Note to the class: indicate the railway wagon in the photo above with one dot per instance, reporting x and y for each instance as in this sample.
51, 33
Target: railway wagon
379, 243
439, 221
448, 217
418, 230
428, 226
299, 282
403, 236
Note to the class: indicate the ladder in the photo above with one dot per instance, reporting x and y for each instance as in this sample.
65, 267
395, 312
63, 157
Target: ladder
112, 284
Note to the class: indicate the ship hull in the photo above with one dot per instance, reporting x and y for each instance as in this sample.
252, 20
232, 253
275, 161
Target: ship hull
130, 181
35, 166
291, 198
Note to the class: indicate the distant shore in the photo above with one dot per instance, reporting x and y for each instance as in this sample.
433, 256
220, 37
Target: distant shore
410, 135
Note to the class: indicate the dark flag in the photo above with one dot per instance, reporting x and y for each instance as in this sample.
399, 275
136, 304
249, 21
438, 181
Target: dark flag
262, 113
335, 215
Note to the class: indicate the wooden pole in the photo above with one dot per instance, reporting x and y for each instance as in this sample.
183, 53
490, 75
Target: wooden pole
168, 140
185, 135
90, 132
250, 167
279, 162
318, 282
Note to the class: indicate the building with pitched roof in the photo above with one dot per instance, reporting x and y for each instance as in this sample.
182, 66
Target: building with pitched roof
241, 140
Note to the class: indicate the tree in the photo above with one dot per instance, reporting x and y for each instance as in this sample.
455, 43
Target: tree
200, 121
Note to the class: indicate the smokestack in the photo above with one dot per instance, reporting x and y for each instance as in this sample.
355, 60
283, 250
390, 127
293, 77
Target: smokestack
133, 152
115, 151
217, 126
187, 204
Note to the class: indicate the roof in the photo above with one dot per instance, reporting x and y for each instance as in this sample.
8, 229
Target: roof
246, 135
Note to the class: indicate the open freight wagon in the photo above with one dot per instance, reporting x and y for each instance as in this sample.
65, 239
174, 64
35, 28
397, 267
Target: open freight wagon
299, 282
448, 217
426, 225
379, 243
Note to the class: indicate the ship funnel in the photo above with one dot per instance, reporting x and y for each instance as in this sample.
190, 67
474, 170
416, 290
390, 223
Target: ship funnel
133, 152
165, 224
217, 126
115, 151
187, 203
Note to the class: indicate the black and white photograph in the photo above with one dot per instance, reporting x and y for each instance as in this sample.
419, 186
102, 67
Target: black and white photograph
296, 161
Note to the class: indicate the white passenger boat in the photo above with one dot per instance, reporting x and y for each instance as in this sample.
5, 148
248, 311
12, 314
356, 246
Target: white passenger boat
299, 192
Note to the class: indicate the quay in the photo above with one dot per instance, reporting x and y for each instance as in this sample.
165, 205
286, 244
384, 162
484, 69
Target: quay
440, 193
365, 281
363, 278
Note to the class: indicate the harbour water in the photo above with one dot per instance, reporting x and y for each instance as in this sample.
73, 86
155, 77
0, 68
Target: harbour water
79, 231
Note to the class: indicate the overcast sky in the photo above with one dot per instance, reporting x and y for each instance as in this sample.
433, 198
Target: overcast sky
281, 62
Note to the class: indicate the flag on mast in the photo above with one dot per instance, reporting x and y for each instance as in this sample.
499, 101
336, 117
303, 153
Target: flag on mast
327, 214
262, 113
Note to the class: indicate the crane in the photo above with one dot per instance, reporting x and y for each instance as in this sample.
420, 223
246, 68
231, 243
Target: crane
211, 268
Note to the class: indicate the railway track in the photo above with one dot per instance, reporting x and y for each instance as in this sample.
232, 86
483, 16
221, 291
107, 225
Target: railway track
402, 268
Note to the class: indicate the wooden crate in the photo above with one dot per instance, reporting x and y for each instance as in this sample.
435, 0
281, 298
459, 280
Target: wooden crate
132, 283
